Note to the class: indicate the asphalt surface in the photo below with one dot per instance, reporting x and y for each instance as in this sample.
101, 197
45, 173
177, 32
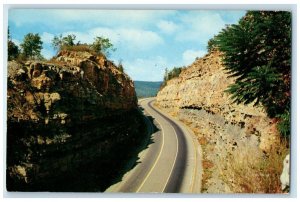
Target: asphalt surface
171, 162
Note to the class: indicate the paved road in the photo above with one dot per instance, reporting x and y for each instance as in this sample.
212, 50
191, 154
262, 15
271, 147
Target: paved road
170, 164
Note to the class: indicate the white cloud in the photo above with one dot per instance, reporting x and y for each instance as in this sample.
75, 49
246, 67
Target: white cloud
130, 38
47, 37
120, 18
189, 56
167, 27
47, 53
141, 39
150, 69
200, 26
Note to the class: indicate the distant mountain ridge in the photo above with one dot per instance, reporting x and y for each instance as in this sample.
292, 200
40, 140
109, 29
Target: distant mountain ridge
147, 88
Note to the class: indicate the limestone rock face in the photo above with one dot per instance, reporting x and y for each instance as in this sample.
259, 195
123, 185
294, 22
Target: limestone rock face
71, 74
64, 116
232, 136
201, 86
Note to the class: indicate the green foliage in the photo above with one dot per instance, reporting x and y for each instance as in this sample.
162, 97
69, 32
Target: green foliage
31, 46
284, 123
211, 44
261, 86
69, 40
171, 74
257, 51
58, 42
12, 49
102, 45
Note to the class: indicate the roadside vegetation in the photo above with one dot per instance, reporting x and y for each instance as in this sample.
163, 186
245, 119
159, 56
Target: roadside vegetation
246, 173
257, 52
170, 74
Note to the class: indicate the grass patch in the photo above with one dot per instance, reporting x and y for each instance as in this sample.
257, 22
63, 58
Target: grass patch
249, 171
207, 169
81, 48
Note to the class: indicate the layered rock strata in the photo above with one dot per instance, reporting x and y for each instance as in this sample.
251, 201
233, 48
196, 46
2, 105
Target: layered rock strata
224, 128
70, 123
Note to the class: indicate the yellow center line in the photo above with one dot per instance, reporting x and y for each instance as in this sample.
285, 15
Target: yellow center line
163, 142
192, 184
175, 155
174, 159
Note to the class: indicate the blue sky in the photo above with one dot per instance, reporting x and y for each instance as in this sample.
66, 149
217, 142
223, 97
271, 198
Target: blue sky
147, 41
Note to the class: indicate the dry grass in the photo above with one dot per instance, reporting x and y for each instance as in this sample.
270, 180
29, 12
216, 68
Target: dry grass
205, 177
82, 48
57, 62
206, 164
207, 171
250, 171
245, 169
202, 141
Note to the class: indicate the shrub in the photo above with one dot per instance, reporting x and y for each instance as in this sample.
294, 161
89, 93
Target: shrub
175, 72
12, 49
257, 52
58, 42
102, 45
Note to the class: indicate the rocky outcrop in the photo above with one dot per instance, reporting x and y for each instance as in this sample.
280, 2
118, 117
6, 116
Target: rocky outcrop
224, 128
68, 119
201, 86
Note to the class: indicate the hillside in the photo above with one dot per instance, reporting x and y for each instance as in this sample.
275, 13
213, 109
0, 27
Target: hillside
66, 129
146, 88
235, 138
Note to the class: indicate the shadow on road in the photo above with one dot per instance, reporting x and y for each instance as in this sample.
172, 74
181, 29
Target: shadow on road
148, 133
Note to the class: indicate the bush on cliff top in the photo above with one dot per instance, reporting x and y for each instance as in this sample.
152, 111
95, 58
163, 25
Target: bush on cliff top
12, 49
257, 51
170, 74
101, 45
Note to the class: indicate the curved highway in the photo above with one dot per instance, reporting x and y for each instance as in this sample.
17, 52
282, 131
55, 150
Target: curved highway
170, 164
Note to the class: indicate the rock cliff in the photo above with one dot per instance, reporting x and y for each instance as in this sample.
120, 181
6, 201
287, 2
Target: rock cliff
66, 123
223, 128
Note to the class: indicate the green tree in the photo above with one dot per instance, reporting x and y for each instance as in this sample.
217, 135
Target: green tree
31, 46
69, 40
211, 44
12, 49
170, 74
102, 45
58, 42
257, 52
